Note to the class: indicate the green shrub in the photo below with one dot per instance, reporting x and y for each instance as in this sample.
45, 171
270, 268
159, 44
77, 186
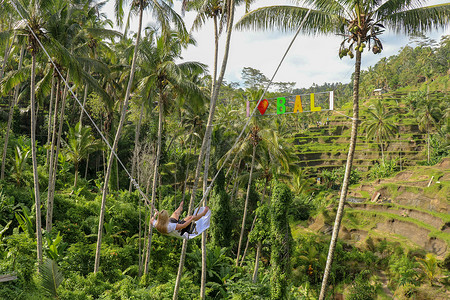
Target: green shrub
301, 208
362, 289
384, 170
281, 239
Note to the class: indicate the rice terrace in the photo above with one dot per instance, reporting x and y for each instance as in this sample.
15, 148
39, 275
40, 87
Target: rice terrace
224, 149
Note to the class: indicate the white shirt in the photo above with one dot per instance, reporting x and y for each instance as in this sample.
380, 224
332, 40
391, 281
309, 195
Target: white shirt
170, 226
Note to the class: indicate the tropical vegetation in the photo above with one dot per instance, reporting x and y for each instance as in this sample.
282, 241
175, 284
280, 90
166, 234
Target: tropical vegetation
99, 128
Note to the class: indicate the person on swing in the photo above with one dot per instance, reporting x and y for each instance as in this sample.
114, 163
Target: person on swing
173, 225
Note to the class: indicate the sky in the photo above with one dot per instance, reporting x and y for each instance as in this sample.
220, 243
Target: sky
312, 59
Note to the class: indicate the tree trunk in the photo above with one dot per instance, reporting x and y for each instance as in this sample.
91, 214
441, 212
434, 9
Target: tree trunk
34, 158
54, 167
248, 242
76, 176
428, 144
50, 121
116, 141
241, 236
348, 169
255, 271
52, 146
10, 117
205, 140
86, 87
135, 152
207, 155
155, 179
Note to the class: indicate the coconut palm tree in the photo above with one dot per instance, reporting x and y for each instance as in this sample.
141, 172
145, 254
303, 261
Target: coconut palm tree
379, 125
79, 143
359, 23
425, 113
34, 14
165, 79
164, 15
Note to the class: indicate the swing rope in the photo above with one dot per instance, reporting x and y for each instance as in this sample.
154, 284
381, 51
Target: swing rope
133, 181
208, 189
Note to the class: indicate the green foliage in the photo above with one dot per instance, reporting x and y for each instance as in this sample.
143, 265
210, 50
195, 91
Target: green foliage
25, 221
91, 286
20, 256
402, 270
218, 266
54, 248
281, 239
383, 170
51, 277
333, 179
244, 288
221, 221
21, 154
7, 208
301, 207
429, 266
79, 259
361, 288
262, 225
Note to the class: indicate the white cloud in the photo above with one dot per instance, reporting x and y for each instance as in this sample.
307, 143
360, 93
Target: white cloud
310, 60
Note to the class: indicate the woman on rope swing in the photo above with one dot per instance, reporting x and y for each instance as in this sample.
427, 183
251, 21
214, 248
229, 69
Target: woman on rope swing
185, 228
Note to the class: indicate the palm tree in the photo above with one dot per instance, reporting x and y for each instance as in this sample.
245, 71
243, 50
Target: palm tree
80, 143
425, 113
360, 23
164, 14
165, 79
254, 140
33, 28
379, 125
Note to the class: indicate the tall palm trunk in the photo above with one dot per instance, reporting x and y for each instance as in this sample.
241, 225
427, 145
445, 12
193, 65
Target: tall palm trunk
255, 270
428, 144
205, 142
34, 158
207, 156
53, 140
382, 151
50, 120
135, 152
241, 236
348, 169
259, 245
10, 117
187, 170
116, 141
54, 166
155, 181
86, 89
248, 242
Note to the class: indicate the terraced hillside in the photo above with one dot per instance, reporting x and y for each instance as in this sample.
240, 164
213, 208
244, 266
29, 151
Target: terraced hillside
325, 146
413, 208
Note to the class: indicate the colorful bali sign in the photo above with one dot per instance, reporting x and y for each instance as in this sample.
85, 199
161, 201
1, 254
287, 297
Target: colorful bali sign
293, 104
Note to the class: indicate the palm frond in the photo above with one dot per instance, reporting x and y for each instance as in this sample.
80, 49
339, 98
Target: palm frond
419, 19
51, 277
13, 78
43, 87
287, 18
